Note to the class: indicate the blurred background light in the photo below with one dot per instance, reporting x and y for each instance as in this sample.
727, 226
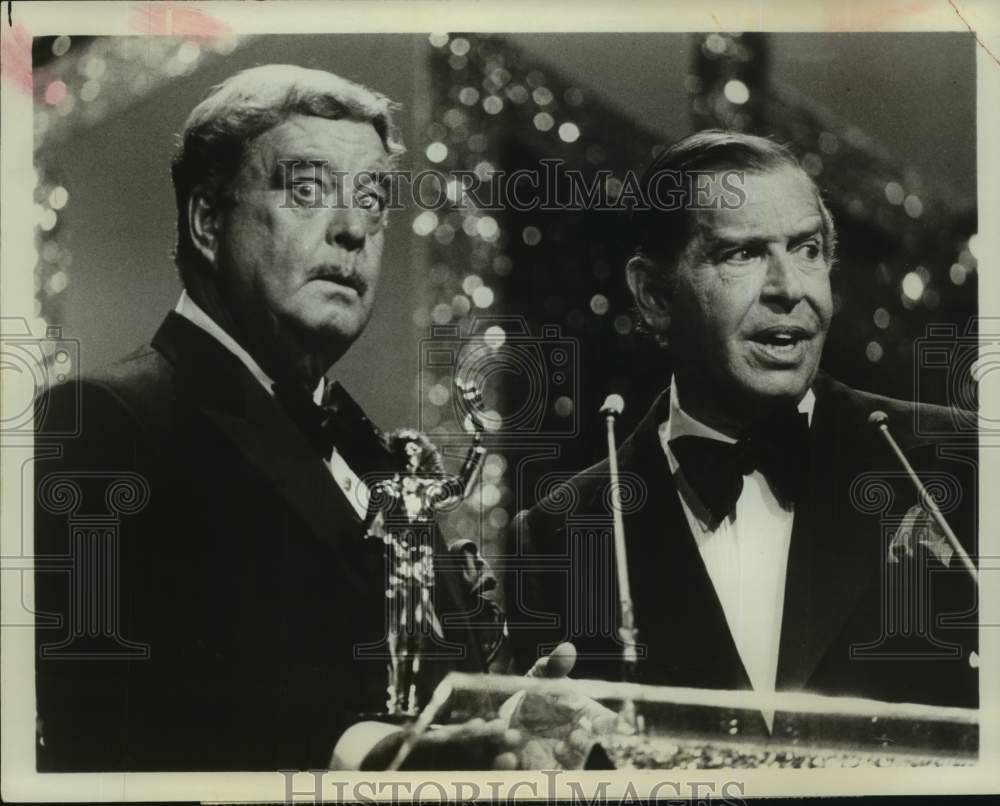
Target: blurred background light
569, 132
736, 92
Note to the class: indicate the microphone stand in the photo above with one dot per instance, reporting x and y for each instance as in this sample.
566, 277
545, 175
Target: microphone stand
629, 721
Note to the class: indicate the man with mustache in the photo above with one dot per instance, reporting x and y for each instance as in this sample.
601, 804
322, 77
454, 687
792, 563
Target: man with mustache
755, 558
231, 607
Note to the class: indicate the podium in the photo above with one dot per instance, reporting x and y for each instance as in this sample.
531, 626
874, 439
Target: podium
576, 724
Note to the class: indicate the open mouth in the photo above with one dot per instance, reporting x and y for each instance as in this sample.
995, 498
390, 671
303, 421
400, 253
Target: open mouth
781, 344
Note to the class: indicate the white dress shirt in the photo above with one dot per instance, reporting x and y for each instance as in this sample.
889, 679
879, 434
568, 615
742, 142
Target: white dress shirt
352, 486
746, 555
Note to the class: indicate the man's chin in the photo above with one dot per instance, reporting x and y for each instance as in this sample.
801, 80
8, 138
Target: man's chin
779, 385
329, 334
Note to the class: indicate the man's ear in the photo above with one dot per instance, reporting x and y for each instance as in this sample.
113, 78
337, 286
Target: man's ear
650, 293
203, 224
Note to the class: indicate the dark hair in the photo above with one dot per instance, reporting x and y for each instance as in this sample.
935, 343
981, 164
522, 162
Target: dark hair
662, 232
243, 107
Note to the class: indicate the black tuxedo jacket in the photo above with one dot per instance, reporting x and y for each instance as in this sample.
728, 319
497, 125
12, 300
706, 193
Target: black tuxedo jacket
205, 597
853, 623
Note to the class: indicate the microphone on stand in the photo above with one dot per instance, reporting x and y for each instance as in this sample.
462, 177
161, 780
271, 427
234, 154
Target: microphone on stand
613, 406
629, 721
880, 420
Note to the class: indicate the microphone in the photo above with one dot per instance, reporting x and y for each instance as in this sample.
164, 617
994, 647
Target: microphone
880, 420
628, 720
613, 405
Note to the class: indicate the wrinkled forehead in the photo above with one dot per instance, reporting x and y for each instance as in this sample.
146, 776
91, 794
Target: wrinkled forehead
343, 144
768, 205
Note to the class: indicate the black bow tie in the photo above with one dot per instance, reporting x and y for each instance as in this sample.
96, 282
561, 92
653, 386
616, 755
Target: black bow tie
339, 422
778, 448
317, 423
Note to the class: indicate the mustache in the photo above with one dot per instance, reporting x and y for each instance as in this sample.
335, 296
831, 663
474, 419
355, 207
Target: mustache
341, 276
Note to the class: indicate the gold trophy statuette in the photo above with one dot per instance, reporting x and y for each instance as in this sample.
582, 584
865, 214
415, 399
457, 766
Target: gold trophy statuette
406, 505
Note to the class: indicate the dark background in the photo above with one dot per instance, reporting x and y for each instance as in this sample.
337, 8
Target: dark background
881, 120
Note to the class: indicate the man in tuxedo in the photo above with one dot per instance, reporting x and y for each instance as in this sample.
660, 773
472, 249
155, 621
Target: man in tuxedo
773, 540
206, 596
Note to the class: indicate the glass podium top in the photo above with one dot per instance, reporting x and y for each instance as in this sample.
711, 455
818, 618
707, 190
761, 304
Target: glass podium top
577, 724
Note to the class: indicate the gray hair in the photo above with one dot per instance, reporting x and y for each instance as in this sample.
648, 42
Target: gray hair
664, 234
243, 107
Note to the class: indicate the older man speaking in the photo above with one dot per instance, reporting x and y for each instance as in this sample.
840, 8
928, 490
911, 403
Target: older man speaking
756, 558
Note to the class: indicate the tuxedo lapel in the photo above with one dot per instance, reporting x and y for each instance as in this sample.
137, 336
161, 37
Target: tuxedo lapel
830, 557
242, 411
679, 615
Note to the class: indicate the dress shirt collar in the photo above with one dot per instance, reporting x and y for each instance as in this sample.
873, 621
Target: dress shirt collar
680, 424
191, 311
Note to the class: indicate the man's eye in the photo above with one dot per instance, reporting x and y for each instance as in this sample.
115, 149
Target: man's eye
372, 201
811, 250
306, 192
738, 256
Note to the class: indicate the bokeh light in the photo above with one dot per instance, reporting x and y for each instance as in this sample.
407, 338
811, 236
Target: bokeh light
736, 92
495, 336
425, 223
894, 193
532, 236
61, 45
544, 121
58, 197
913, 286
483, 297
438, 394
913, 206
437, 152
488, 228
441, 313
493, 104
599, 304
542, 96
471, 283
569, 132
55, 93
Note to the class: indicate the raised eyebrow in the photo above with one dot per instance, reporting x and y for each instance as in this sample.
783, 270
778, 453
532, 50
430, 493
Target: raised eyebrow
380, 175
722, 243
808, 226
808, 234
286, 167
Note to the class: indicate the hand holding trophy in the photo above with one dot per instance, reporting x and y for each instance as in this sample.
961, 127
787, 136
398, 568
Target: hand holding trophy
531, 730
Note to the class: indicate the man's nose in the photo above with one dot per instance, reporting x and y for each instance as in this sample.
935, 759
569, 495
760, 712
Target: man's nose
347, 228
783, 284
